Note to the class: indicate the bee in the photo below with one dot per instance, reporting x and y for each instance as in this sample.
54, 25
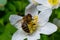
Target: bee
26, 20
28, 25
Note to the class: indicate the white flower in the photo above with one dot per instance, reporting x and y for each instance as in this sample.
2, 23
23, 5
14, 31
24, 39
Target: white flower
32, 7
3, 3
56, 21
53, 4
44, 27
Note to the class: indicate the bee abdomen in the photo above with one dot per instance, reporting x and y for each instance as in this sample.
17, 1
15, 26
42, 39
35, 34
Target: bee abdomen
25, 27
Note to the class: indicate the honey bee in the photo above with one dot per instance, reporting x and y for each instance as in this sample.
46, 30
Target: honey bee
28, 24
26, 20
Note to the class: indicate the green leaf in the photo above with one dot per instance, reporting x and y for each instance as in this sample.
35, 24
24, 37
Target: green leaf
53, 15
19, 5
58, 15
1, 21
9, 28
11, 7
2, 8
6, 17
57, 12
44, 37
8, 33
55, 36
1, 28
5, 36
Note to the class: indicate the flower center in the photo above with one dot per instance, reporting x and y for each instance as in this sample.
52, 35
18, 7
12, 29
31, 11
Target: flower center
53, 2
33, 24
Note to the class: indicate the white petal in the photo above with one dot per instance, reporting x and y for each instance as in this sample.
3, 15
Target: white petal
44, 16
41, 1
31, 9
34, 36
44, 2
19, 35
41, 7
48, 29
13, 20
18, 25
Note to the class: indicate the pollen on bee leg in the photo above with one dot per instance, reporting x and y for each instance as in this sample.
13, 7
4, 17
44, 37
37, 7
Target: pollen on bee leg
53, 2
31, 31
35, 19
34, 27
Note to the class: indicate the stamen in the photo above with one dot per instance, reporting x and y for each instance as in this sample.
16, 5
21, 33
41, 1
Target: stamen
53, 2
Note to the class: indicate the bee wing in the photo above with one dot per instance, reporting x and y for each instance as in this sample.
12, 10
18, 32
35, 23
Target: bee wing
15, 20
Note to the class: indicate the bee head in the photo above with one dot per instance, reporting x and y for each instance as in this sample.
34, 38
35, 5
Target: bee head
29, 17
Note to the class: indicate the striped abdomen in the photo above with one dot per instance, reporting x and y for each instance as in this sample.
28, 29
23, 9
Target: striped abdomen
25, 27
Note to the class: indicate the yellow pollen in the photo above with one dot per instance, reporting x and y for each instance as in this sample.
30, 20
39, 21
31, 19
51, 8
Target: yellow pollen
35, 19
53, 2
33, 24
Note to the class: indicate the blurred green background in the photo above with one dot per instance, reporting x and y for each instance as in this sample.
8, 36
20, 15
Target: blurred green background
10, 7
